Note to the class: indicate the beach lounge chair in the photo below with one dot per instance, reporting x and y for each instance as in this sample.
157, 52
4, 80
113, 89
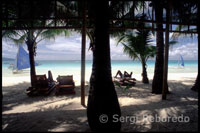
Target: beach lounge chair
128, 81
125, 79
65, 85
42, 85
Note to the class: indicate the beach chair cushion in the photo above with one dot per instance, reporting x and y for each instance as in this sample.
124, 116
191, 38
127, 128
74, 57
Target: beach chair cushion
41, 86
65, 80
41, 81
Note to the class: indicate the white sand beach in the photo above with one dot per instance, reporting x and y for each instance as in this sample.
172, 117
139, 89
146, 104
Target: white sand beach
65, 114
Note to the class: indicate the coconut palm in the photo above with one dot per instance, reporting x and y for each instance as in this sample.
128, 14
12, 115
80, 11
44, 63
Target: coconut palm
102, 99
157, 82
137, 46
196, 85
118, 9
32, 38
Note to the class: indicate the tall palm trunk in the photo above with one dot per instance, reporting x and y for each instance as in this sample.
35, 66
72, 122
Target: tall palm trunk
144, 72
196, 87
103, 103
158, 72
30, 45
91, 37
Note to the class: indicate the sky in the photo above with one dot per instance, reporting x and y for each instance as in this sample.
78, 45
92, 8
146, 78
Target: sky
69, 48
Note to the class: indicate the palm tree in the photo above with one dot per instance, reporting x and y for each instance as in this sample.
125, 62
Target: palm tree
31, 38
137, 46
102, 99
196, 85
157, 82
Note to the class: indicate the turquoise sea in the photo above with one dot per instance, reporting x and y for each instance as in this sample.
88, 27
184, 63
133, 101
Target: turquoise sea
63, 67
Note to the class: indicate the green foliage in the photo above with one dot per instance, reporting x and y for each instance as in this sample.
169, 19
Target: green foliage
124, 89
21, 37
172, 43
117, 84
175, 35
52, 33
137, 44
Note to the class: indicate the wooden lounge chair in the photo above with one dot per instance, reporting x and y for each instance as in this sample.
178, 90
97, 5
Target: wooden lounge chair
65, 85
42, 86
130, 82
125, 81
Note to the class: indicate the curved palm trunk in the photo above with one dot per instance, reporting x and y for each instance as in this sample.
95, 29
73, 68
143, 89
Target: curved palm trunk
144, 72
102, 100
158, 72
30, 45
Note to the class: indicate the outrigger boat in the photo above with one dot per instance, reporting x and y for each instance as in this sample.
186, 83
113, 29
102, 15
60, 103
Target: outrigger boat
21, 62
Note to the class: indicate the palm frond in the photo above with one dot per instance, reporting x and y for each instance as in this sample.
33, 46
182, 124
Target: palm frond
51, 34
175, 35
173, 42
20, 40
131, 52
121, 39
138, 44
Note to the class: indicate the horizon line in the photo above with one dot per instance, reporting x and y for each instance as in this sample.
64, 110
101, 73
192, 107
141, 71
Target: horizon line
91, 59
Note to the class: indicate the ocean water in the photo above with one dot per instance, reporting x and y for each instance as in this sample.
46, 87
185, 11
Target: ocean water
73, 67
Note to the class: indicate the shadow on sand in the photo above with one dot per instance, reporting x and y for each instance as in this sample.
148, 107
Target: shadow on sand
64, 113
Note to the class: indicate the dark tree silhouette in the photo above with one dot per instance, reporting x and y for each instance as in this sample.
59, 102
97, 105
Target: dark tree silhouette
102, 98
158, 72
195, 87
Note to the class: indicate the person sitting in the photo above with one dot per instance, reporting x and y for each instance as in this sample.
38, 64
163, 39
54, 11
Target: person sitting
125, 79
123, 75
127, 74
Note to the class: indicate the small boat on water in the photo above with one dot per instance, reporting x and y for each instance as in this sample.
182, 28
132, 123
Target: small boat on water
181, 62
21, 62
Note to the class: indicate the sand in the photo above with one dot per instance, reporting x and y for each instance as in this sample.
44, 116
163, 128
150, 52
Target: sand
138, 107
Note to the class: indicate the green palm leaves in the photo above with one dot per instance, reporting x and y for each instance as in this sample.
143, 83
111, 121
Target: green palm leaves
137, 45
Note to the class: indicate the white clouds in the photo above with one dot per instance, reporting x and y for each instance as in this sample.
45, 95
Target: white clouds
67, 44
63, 48
8, 49
78, 39
7, 46
188, 51
117, 51
66, 48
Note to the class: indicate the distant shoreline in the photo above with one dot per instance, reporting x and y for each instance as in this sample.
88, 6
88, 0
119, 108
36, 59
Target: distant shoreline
10, 59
